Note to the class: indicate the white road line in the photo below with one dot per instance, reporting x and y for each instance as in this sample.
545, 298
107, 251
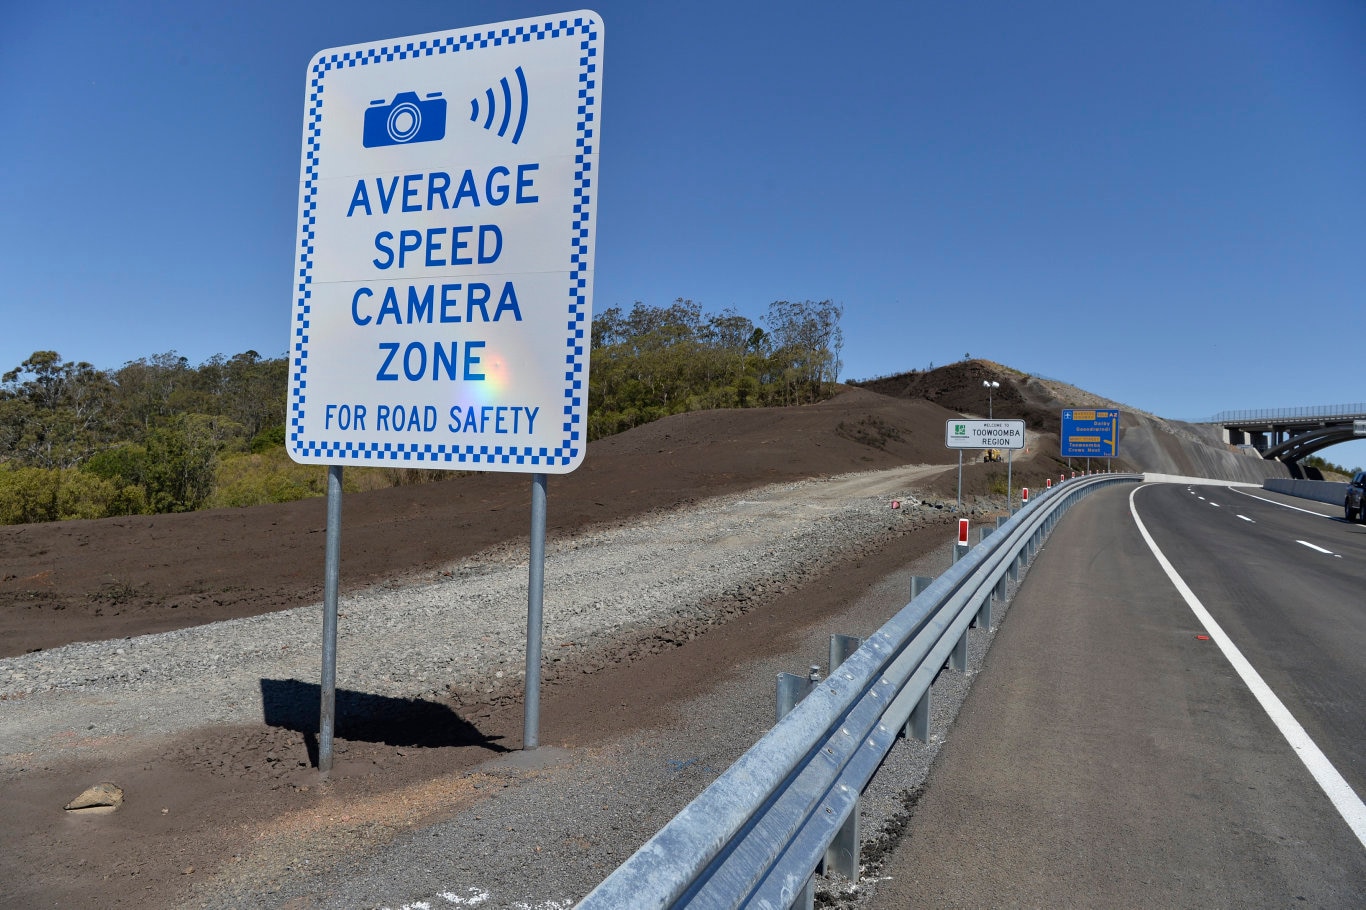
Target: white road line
1315, 547
1283, 505
1215, 504
1245, 518
1344, 799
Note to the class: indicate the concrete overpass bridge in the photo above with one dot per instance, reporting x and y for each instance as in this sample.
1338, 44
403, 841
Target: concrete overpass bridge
1289, 434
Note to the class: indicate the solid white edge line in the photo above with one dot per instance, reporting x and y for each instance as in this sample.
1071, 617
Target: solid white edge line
1284, 506
1333, 784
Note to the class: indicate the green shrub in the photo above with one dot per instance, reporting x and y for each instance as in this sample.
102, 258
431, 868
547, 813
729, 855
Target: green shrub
264, 477
58, 494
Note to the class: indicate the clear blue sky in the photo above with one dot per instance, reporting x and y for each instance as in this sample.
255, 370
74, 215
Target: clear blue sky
1163, 202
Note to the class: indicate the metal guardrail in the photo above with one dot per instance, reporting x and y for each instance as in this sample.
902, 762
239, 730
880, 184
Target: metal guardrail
756, 835
1307, 413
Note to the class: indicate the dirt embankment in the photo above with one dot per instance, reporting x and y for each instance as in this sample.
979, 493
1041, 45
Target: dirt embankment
113, 578
94, 580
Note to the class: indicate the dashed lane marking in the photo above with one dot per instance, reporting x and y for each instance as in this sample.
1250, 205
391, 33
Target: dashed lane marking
1333, 784
1314, 546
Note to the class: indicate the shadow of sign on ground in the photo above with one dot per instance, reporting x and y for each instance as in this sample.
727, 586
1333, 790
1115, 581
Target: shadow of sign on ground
365, 717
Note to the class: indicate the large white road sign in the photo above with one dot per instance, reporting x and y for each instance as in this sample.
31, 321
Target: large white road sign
444, 286
984, 434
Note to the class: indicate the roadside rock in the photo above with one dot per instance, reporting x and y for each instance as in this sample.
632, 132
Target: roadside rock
100, 799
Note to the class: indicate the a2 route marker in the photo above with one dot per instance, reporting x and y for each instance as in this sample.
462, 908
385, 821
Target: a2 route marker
444, 280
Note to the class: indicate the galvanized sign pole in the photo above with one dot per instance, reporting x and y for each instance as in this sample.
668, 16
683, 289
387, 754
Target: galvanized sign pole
331, 577
531, 718
960, 479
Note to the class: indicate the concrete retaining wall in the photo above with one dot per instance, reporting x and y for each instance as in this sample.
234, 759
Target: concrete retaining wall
1317, 490
1150, 477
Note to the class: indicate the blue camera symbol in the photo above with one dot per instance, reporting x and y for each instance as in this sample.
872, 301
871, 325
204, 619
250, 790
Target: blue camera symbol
405, 120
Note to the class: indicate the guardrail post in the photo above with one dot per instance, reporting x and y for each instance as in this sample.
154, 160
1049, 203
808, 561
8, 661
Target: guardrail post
918, 724
958, 657
983, 533
843, 853
841, 647
806, 898
960, 550
983, 618
919, 583
791, 690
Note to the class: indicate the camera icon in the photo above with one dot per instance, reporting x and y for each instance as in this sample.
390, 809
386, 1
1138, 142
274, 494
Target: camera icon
404, 120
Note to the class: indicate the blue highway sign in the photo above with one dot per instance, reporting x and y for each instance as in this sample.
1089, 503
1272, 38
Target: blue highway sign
1090, 434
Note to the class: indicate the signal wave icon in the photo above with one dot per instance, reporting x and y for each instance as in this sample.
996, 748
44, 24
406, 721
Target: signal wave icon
492, 106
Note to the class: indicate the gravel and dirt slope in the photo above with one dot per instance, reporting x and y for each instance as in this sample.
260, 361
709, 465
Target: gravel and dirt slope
93, 580
211, 731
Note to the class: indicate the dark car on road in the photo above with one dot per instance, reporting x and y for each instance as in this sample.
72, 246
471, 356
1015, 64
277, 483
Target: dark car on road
1354, 503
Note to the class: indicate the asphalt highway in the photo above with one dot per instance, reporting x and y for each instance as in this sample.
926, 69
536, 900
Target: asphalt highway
1286, 579
1115, 752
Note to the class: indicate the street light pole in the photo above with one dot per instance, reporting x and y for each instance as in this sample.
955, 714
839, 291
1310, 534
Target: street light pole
989, 385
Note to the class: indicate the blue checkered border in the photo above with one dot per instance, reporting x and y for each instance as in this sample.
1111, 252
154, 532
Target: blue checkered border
438, 455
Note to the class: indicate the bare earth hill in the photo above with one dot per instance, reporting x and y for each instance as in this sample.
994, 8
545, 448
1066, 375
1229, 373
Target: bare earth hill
113, 578
1147, 442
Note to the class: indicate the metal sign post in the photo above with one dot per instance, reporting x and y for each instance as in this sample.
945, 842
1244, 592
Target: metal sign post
331, 577
960, 481
531, 720
443, 293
